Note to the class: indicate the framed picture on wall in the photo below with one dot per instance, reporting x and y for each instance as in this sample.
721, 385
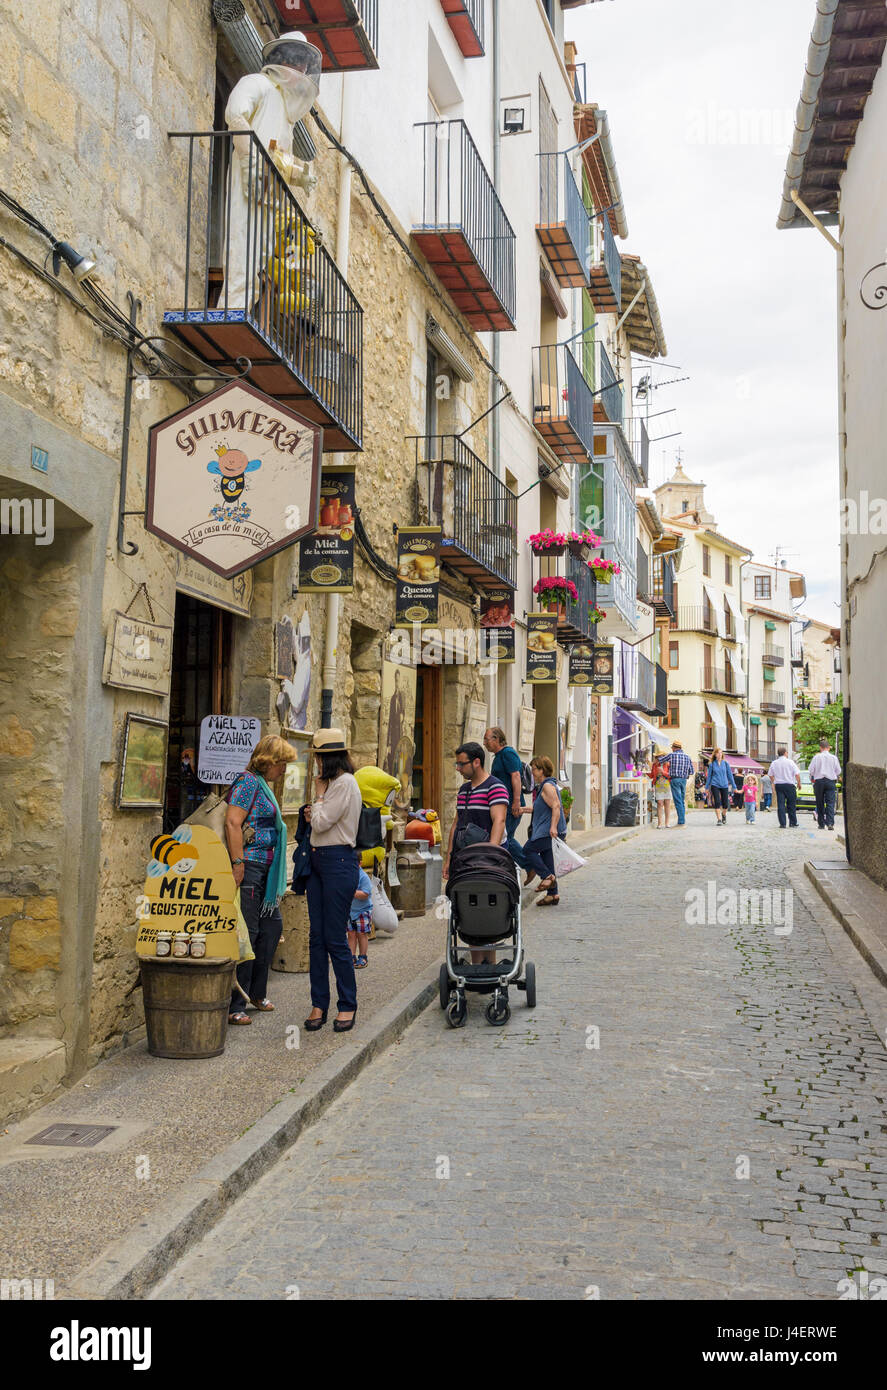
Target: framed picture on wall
143, 763
294, 787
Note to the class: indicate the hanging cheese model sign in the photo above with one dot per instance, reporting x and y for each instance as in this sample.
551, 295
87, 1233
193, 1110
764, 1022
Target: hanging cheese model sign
233, 479
189, 888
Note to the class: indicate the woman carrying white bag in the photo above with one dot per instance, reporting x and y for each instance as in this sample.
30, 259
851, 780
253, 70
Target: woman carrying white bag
547, 829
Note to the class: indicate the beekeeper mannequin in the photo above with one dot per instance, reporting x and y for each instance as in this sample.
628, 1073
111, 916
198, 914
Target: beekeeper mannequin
270, 103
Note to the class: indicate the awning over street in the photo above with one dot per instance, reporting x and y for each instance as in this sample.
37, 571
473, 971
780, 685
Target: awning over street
735, 714
655, 735
716, 715
742, 764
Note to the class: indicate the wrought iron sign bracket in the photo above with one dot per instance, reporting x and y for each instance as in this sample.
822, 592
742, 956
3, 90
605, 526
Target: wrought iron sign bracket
138, 344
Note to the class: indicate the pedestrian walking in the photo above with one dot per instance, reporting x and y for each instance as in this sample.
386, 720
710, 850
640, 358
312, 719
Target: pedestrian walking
481, 807
548, 824
750, 797
334, 816
824, 771
786, 777
259, 868
507, 768
680, 767
361, 921
699, 788
767, 791
661, 791
720, 784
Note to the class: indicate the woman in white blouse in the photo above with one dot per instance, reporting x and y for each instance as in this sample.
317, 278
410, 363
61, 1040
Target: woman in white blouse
334, 816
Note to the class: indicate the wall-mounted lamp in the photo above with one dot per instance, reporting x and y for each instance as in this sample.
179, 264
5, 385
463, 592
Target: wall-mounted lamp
513, 120
81, 267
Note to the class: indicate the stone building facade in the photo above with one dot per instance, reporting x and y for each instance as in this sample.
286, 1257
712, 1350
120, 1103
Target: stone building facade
90, 91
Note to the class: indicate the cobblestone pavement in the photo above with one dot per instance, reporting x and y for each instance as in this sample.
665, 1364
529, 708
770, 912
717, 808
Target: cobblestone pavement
724, 1136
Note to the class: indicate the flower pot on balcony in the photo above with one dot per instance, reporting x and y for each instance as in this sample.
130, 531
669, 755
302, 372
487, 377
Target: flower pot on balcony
551, 551
580, 550
602, 576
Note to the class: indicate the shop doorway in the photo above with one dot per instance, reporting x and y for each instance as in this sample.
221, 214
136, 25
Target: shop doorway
200, 685
428, 739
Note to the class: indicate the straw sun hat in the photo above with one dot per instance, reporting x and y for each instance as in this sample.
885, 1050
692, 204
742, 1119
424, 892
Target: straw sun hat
329, 741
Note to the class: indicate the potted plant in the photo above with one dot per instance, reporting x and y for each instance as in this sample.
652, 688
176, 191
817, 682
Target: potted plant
548, 542
603, 570
567, 799
554, 592
596, 615
581, 543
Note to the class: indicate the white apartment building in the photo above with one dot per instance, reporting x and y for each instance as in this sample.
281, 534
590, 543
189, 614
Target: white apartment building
771, 596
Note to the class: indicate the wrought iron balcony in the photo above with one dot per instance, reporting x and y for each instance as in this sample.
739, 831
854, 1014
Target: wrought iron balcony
775, 705
639, 443
345, 31
797, 657
773, 656
663, 586
605, 271
660, 708
564, 226
476, 511
259, 285
609, 402
642, 566
720, 680
463, 230
637, 681
576, 625
695, 619
563, 403
466, 19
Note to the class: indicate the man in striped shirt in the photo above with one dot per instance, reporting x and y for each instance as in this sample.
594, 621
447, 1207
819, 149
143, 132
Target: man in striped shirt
680, 767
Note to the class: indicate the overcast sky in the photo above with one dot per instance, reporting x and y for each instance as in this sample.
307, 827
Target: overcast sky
701, 97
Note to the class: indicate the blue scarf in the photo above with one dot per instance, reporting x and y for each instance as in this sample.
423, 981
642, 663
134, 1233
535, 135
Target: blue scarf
275, 884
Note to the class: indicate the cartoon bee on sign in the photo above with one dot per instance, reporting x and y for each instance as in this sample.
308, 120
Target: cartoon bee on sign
231, 467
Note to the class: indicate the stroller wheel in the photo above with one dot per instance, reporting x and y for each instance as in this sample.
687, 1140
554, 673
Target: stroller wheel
444, 986
457, 1013
500, 1016
530, 984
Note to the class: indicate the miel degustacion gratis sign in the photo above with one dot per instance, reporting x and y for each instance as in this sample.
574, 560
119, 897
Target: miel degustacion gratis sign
233, 479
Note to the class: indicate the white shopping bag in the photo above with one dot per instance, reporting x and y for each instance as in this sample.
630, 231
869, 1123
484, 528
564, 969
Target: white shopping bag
384, 915
565, 859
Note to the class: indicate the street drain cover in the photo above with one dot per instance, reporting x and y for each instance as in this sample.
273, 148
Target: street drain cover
73, 1136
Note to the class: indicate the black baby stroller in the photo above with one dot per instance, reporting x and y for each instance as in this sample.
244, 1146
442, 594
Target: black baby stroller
484, 901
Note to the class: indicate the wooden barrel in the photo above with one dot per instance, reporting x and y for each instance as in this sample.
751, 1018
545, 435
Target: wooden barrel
186, 1005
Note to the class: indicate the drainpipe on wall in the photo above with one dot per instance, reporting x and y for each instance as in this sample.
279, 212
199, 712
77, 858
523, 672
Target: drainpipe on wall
334, 601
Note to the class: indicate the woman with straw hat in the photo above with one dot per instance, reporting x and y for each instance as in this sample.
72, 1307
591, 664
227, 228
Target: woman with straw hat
334, 816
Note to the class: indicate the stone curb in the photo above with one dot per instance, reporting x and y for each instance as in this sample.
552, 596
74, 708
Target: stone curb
868, 944
132, 1265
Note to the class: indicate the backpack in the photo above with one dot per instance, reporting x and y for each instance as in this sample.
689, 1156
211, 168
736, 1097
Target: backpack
526, 777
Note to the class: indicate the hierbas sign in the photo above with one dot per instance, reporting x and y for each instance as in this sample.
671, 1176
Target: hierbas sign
233, 479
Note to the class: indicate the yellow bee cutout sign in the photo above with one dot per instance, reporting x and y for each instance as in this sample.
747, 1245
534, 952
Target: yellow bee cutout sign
189, 887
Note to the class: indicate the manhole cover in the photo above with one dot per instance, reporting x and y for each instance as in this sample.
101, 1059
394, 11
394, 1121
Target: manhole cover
73, 1136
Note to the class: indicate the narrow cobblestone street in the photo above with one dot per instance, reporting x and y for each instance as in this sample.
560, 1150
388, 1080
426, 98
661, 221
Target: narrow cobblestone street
725, 1139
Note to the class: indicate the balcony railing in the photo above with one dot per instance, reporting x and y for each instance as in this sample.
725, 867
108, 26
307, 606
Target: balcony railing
345, 31
773, 656
466, 19
577, 72
609, 399
605, 274
258, 285
642, 566
564, 227
463, 229
721, 680
797, 657
663, 585
475, 510
577, 621
775, 705
639, 443
695, 619
661, 707
563, 403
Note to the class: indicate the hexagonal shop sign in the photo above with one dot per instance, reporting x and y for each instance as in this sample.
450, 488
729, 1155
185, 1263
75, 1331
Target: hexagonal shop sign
233, 479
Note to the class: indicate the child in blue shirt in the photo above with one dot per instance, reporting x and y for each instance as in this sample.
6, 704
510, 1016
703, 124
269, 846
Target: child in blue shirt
361, 920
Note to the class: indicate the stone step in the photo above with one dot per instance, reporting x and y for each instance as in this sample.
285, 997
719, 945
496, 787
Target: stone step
31, 1070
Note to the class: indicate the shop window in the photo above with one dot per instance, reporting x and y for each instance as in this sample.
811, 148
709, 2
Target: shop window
199, 685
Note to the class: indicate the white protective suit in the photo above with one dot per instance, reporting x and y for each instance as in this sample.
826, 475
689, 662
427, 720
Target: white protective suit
267, 102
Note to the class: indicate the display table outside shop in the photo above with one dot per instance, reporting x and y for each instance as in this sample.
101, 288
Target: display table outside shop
643, 788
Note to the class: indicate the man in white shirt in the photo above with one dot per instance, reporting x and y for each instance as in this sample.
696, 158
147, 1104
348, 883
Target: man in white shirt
786, 776
824, 773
